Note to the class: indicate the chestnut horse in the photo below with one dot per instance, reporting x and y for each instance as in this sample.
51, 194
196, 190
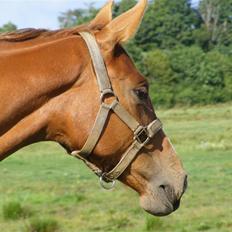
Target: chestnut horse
49, 92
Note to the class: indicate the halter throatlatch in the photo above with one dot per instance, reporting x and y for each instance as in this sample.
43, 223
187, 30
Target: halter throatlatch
142, 135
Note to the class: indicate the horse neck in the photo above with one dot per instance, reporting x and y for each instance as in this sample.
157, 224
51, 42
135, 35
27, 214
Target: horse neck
30, 78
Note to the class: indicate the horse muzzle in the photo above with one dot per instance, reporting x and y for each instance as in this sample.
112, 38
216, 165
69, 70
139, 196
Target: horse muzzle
163, 199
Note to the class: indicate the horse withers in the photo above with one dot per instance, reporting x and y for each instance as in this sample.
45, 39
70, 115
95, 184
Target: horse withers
79, 88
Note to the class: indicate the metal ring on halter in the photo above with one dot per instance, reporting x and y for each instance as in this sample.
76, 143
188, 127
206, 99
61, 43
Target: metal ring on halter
108, 186
105, 92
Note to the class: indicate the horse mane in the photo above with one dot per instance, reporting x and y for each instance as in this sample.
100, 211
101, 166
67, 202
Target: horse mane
32, 33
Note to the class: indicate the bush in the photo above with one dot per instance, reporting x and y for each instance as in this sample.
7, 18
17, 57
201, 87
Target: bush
188, 76
42, 225
14, 211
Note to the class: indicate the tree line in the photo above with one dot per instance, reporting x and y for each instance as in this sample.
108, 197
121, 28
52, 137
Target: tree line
184, 50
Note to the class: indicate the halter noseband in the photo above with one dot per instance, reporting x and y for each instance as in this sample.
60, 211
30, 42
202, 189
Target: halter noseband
142, 135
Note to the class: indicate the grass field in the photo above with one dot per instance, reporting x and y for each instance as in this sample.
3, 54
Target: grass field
54, 192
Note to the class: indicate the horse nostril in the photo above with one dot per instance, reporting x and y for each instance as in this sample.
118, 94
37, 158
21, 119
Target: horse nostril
166, 188
162, 186
168, 191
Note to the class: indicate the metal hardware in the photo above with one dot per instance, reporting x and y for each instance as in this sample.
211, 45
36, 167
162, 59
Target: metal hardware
107, 185
141, 135
106, 92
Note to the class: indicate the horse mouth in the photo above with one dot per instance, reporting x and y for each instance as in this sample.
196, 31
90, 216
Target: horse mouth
159, 206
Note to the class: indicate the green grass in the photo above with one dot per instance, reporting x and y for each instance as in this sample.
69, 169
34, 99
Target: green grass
153, 223
62, 189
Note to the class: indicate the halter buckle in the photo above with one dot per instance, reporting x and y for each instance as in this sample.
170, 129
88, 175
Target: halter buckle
141, 135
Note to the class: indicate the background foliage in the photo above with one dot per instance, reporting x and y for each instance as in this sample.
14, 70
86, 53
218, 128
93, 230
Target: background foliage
8, 27
185, 52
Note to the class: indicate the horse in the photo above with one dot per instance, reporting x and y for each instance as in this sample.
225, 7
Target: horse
78, 87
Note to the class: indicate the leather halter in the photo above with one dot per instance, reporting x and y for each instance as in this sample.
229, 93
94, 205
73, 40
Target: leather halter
142, 134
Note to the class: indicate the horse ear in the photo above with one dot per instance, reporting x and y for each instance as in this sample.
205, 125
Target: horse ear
103, 17
122, 28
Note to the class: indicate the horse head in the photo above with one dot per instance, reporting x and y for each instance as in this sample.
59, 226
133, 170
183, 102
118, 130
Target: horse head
156, 172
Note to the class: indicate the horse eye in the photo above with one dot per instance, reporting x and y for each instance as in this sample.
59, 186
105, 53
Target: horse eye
142, 93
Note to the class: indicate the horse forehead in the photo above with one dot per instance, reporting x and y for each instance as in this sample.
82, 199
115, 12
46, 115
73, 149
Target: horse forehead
121, 67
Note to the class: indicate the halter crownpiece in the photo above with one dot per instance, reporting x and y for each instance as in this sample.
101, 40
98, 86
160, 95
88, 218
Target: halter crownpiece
142, 135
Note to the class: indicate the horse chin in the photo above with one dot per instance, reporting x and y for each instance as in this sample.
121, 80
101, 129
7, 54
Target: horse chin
156, 206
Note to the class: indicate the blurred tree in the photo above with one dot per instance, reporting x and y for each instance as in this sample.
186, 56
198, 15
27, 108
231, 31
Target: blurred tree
123, 6
188, 75
161, 76
8, 27
201, 76
167, 24
76, 17
217, 23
